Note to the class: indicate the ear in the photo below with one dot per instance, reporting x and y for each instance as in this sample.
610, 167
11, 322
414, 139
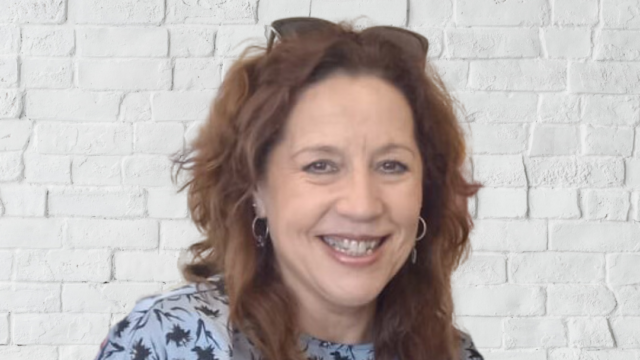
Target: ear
259, 202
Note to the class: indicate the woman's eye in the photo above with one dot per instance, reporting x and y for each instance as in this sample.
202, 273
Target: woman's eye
393, 167
321, 167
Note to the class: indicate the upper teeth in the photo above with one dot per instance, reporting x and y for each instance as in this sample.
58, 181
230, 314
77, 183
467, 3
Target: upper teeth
350, 246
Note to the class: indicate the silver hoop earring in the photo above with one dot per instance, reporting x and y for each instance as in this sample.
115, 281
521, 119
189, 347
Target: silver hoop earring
261, 240
414, 252
424, 229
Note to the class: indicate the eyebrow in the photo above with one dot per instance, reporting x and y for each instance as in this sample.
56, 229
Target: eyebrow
332, 150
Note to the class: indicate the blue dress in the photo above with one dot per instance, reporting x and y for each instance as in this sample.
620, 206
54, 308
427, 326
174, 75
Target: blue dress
190, 323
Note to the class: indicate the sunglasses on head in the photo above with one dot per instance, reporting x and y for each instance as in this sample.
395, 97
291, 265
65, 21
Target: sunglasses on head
414, 44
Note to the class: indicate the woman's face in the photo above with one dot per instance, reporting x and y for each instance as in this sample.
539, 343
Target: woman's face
343, 190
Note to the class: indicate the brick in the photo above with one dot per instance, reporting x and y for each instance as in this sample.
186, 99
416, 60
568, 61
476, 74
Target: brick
623, 269
84, 139
499, 170
381, 12
46, 73
20, 297
14, 135
526, 75
54, 329
23, 200
520, 355
491, 13
196, 74
268, 11
96, 170
47, 41
594, 236
635, 205
77, 352
136, 107
617, 45
556, 267
74, 105
13, 352
626, 331
231, 12
497, 107
481, 269
534, 333
4, 328
628, 299
146, 266
497, 138
560, 108
10, 166
604, 77
131, 74
580, 300
121, 234
31, 233
632, 167
34, 11
553, 203
162, 138
430, 12
611, 109
119, 11
67, 265
96, 202
147, 170
47, 169
575, 12
8, 71
554, 140
600, 171
586, 354
454, 73
104, 298
568, 42
499, 300
6, 265
502, 203
621, 14
589, 332
606, 204
10, 104
487, 331
181, 106
194, 40
9, 39
167, 203
493, 43
511, 236
178, 234
231, 41
122, 42
615, 141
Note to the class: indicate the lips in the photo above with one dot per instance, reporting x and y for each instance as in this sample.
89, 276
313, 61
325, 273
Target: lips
353, 246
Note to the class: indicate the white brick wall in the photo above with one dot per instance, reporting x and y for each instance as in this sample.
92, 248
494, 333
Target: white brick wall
96, 95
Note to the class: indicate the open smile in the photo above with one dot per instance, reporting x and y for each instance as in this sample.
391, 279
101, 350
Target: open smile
354, 246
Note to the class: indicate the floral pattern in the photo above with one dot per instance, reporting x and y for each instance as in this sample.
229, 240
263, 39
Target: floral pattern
191, 323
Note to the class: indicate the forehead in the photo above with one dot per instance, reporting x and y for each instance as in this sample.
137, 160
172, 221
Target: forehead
343, 107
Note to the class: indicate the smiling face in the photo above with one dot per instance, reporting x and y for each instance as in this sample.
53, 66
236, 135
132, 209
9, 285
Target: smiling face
342, 192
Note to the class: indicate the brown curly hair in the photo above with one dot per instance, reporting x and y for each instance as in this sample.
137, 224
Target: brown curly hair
414, 312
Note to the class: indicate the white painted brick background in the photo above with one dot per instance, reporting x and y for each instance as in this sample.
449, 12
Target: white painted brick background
96, 94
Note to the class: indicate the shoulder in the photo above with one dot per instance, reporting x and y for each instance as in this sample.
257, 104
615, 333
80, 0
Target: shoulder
468, 349
191, 321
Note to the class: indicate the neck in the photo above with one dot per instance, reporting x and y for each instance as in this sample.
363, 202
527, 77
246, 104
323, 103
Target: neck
344, 325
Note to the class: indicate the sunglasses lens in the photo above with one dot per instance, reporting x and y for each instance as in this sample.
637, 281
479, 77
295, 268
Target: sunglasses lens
414, 44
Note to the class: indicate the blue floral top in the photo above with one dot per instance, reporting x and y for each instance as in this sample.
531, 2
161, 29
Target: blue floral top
190, 323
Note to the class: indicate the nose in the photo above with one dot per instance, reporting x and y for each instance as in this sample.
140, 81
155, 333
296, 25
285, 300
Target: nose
360, 198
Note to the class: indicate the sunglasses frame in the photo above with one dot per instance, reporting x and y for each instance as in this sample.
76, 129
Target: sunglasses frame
274, 32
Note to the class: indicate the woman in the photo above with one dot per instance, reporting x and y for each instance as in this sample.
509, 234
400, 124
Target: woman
328, 184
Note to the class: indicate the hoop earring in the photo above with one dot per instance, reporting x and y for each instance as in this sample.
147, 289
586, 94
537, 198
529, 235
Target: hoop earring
261, 239
414, 252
